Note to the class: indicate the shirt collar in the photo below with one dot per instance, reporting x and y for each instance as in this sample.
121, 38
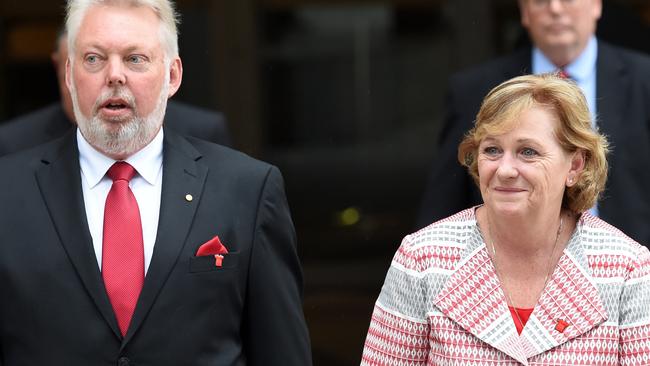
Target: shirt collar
94, 165
579, 69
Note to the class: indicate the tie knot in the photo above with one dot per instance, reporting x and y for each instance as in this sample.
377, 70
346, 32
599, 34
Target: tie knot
563, 74
121, 171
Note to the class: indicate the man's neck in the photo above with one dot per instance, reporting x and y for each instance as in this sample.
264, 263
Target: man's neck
562, 56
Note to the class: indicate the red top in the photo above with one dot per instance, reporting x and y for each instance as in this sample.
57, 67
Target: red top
524, 314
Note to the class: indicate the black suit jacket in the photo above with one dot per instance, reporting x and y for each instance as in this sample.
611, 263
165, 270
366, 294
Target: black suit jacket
54, 308
623, 110
50, 122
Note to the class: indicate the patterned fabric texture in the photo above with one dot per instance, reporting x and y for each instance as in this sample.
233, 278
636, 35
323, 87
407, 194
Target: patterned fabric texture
441, 303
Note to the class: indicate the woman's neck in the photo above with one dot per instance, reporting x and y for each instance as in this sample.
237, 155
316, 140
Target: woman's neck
524, 252
521, 235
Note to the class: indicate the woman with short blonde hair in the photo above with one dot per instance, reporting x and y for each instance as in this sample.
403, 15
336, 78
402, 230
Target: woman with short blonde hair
528, 277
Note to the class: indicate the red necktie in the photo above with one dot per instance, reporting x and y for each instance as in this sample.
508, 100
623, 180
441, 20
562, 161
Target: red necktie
122, 250
563, 74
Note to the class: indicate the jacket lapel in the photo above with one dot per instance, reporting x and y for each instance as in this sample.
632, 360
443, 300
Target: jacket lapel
59, 180
570, 299
612, 103
182, 175
611, 79
472, 297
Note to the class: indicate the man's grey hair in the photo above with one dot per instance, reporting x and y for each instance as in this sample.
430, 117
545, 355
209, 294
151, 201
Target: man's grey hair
164, 9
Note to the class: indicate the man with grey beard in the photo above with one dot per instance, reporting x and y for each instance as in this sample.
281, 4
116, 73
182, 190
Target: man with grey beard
56, 119
125, 243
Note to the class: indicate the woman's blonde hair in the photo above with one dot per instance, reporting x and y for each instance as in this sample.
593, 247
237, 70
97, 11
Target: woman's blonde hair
500, 113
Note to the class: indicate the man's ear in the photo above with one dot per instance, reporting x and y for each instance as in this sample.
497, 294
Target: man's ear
597, 9
175, 76
68, 73
523, 13
54, 57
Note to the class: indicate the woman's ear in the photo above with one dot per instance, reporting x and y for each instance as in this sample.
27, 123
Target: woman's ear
577, 166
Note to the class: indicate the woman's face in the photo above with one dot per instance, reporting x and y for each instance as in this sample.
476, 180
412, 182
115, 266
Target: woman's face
525, 170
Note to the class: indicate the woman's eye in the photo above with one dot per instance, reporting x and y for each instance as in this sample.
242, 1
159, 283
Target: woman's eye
528, 152
91, 59
491, 150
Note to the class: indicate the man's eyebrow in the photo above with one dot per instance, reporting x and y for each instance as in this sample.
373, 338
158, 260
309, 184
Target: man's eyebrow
127, 49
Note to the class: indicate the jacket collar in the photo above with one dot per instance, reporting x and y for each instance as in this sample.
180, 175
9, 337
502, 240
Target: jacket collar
473, 298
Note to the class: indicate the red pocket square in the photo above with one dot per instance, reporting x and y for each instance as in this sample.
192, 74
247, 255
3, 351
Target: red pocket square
212, 247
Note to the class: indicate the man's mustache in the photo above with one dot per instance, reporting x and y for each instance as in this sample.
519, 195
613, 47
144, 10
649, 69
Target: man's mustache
122, 93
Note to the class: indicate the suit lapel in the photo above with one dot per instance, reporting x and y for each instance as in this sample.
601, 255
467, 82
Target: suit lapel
611, 80
612, 95
472, 297
182, 175
59, 180
570, 297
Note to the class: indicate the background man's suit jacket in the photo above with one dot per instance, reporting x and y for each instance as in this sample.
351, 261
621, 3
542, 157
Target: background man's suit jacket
50, 122
623, 110
54, 308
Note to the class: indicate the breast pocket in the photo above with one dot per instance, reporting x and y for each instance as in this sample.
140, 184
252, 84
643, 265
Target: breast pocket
210, 263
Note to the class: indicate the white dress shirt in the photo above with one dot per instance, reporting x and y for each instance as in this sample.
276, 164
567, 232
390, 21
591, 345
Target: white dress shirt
146, 186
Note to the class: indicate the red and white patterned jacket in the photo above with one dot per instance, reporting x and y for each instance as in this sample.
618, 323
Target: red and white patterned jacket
442, 304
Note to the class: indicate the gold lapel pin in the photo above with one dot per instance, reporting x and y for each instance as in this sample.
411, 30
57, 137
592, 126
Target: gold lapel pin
188, 197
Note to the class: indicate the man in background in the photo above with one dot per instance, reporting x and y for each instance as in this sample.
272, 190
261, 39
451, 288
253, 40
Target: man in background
616, 83
125, 243
56, 119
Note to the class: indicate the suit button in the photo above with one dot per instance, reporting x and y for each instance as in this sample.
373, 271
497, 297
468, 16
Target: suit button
123, 361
